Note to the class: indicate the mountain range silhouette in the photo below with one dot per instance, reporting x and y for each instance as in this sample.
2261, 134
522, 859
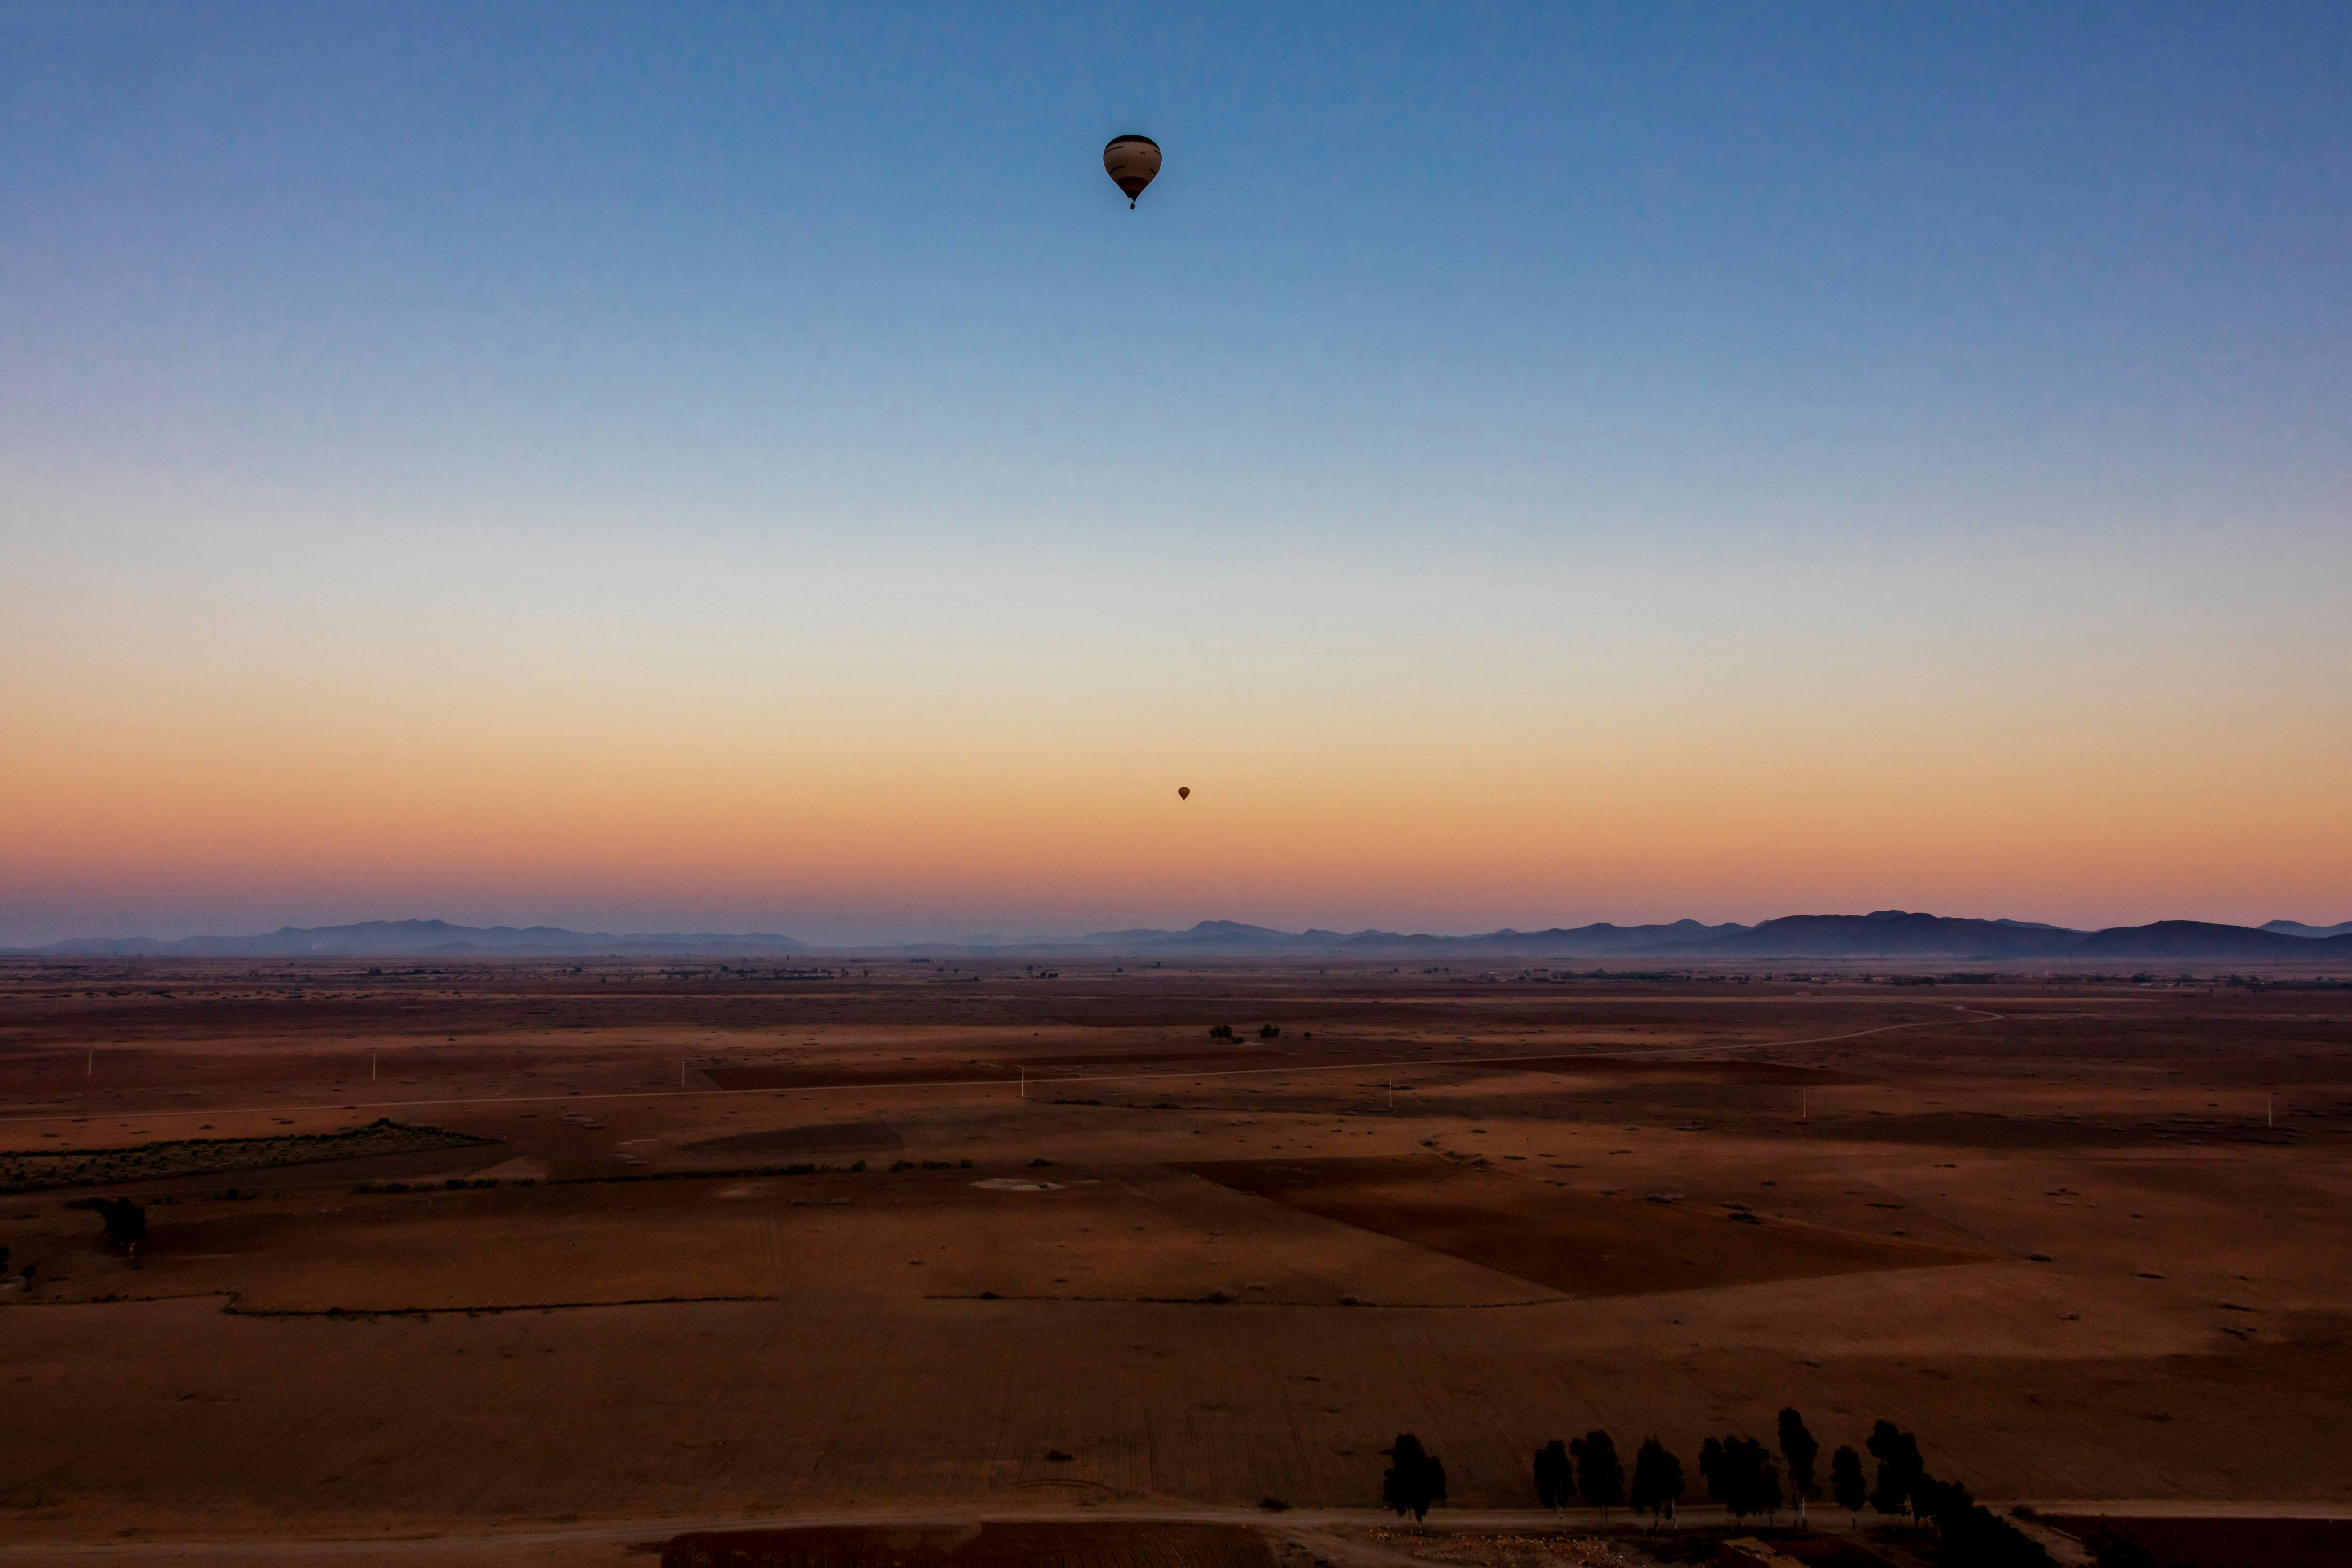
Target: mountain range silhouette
1883, 934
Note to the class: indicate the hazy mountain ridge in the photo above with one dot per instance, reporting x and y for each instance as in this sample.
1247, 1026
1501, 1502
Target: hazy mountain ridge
1229, 937
391, 937
1895, 934
2298, 928
2205, 940
1900, 933
1892, 934
1883, 934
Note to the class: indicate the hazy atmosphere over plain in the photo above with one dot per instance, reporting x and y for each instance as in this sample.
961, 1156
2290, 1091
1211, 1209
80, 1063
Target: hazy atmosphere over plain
748, 468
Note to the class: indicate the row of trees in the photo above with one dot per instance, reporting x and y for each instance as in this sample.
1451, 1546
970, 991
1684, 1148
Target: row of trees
1739, 1474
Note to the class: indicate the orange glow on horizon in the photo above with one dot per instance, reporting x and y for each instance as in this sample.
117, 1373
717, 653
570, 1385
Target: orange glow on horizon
1527, 828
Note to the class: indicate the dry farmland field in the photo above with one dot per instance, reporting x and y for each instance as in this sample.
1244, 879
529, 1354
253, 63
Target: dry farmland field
587, 1262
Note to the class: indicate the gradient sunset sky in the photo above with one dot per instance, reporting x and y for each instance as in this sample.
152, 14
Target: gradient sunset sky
744, 468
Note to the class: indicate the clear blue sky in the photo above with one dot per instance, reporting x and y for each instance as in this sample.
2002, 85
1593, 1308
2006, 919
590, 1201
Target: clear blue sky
450, 361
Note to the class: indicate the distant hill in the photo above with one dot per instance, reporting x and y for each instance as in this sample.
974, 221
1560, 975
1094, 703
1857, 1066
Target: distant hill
1231, 937
2298, 928
1893, 933
385, 938
2201, 939
1899, 934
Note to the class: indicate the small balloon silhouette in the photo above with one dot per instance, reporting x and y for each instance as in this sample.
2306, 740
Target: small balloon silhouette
1132, 162
1183, 792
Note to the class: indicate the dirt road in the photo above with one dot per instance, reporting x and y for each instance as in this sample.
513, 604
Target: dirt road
1323, 1530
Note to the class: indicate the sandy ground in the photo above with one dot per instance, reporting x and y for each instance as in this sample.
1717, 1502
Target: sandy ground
2083, 1239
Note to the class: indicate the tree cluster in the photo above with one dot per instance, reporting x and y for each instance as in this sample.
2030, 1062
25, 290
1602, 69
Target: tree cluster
1588, 1468
1798, 1447
1970, 1531
1555, 1476
1415, 1479
1739, 1472
1741, 1475
1657, 1479
1600, 1478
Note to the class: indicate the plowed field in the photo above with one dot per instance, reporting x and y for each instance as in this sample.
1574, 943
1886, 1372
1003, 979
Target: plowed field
991, 1545
1577, 1243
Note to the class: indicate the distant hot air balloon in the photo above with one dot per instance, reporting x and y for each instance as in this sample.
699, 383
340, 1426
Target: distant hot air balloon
1183, 792
1131, 162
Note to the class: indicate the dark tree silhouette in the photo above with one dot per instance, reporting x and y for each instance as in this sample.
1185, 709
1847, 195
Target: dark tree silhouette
1657, 1479
1900, 1468
1599, 1476
2120, 1549
1555, 1477
1711, 1468
1931, 1499
1973, 1533
125, 1221
1798, 1448
1740, 1476
1760, 1477
1415, 1477
1846, 1483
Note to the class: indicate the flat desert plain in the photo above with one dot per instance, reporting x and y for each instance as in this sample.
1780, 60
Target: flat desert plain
566, 1259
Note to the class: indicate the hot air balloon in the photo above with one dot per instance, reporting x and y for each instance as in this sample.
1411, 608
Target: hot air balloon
1131, 162
1183, 792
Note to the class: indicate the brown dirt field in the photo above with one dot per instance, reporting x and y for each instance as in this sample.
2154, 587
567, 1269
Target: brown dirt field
1145, 1236
1501, 1549
833, 1138
2141, 1289
2226, 1542
35, 1170
1209, 1060
993, 1544
2325, 1065
827, 1077
1002, 1068
1828, 1552
1575, 1243
1633, 1069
